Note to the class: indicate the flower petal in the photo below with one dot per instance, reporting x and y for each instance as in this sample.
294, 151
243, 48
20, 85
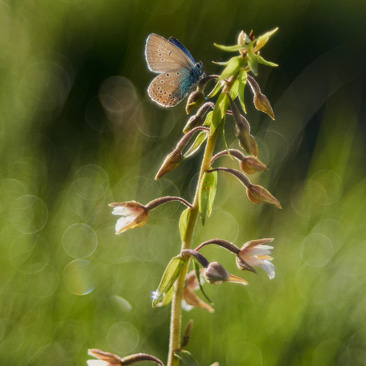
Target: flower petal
269, 268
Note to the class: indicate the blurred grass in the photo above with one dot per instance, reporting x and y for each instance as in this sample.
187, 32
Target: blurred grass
78, 132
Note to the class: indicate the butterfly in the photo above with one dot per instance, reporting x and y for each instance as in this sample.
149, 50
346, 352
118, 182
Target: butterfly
179, 72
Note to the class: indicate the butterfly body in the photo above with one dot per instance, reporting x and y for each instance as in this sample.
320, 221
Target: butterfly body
179, 73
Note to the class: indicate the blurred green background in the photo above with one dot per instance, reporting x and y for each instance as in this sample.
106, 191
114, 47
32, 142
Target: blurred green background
78, 131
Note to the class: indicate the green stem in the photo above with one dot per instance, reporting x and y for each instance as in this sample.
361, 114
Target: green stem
176, 312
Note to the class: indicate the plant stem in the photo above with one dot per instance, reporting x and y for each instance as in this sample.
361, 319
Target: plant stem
176, 311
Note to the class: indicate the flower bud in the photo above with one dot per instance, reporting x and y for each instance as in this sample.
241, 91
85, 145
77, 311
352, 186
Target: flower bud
133, 213
242, 38
262, 104
250, 165
193, 122
215, 273
246, 140
171, 161
257, 194
260, 101
195, 99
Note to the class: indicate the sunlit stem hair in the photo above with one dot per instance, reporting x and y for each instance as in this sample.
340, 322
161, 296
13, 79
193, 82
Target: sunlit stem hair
233, 152
162, 200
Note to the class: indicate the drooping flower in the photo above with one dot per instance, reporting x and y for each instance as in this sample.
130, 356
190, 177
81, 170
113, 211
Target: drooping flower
133, 213
255, 253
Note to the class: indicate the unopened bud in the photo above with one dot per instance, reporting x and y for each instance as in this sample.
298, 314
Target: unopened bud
195, 99
257, 194
260, 101
241, 38
246, 140
215, 273
193, 122
250, 165
262, 104
171, 161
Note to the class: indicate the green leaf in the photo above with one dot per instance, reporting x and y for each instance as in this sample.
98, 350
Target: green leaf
234, 89
219, 111
201, 137
208, 120
253, 63
235, 64
187, 358
198, 277
224, 139
183, 221
207, 193
234, 48
261, 60
170, 275
242, 82
221, 63
263, 39
168, 297
215, 90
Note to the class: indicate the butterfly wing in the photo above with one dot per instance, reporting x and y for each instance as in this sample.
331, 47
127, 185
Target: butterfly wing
162, 55
170, 87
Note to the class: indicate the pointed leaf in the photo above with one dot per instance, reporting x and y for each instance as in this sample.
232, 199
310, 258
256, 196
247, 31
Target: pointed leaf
224, 139
215, 90
235, 64
187, 358
253, 63
219, 111
186, 335
198, 277
261, 60
263, 39
222, 63
183, 221
234, 89
168, 297
201, 137
242, 82
207, 194
233, 48
170, 275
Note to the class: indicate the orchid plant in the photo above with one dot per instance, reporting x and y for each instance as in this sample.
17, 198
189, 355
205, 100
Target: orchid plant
178, 286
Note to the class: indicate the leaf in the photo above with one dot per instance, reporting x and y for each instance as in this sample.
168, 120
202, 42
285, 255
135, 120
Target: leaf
197, 273
234, 89
167, 280
253, 63
261, 60
224, 138
201, 137
186, 335
263, 39
219, 111
235, 64
187, 358
183, 221
168, 297
215, 90
233, 48
242, 82
222, 63
207, 193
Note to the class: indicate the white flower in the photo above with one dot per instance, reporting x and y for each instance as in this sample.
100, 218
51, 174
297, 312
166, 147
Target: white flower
256, 254
133, 213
